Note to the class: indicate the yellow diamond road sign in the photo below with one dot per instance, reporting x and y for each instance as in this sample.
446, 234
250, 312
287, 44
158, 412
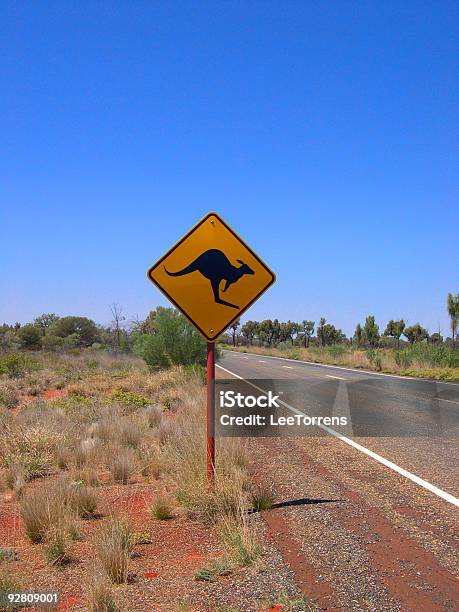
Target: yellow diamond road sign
212, 276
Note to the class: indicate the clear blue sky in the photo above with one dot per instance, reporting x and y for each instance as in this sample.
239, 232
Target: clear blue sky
324, 132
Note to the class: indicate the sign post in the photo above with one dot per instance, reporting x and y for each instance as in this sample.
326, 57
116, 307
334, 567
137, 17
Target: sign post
212, 276
210, 412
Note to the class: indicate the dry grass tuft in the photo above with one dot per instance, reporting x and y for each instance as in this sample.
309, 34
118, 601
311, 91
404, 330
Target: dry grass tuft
87, 475
262, 498
130, 434
83, 500
63, 458
48, 507
123, 466
57, 544
99, 595
86, 452
161, 508
114, 544
40, 509
154, 415
240, 540
166, 430
151, 461
16, 477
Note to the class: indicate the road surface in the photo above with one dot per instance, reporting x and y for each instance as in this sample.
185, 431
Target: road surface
365, 522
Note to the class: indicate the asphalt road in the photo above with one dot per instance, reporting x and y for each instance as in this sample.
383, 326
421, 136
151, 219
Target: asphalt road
379, 499
412, 421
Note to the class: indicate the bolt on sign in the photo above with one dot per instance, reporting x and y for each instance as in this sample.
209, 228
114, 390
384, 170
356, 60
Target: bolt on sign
212, 276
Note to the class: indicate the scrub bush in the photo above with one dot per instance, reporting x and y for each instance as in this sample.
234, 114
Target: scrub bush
175, 342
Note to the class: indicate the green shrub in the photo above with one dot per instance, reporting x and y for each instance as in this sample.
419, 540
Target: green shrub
336, 350
428, 355
52, 343
402, 358
129, 397
375, 358
15, 365
449, 374
175, 342
210, 573
29, 337
293, 353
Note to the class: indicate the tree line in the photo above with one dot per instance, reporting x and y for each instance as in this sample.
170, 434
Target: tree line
272, 332
52, 332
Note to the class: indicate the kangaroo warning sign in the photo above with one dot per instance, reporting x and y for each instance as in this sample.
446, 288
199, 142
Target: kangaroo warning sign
212, 276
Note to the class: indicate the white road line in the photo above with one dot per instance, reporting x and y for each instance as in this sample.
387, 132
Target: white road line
393, 466
288, 367
356, 371
261, 361
338, 377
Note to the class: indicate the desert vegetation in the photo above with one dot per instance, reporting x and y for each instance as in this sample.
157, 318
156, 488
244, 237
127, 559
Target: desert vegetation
98, 454
403, 349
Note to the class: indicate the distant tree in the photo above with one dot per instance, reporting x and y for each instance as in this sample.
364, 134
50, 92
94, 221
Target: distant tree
248, 330
436, 338
276, 331
288, 330
307, 327
453, 311
148, 325
320, 332
332, 335
371, 331
118, 318
328, 333
283, 331
30, 337
416, 333
85, 329
234, 328
358, 335
394, 329
44, 321
267, 330
294, 330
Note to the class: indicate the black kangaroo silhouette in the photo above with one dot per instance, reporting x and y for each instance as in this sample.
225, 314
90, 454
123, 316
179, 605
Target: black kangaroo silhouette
215, 265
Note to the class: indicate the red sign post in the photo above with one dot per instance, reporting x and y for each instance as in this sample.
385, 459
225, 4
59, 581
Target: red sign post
210, 412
